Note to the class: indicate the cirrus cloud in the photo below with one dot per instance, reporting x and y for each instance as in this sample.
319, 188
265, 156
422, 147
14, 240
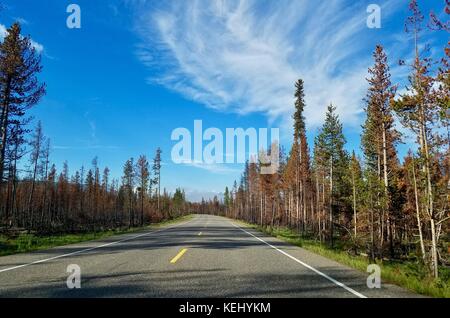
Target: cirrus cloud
245, 55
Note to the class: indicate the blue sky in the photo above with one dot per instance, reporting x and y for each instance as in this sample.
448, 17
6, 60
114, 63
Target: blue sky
136, 70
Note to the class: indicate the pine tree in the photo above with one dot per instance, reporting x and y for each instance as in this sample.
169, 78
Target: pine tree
335, 159
128, 186
143, 180
15, 151
299, 119
320, 172
96, 188
19, 86
357, 186
178, 200
37, 145
227, 198
419, 112
380, 136
298, 166
157, 174
412, 204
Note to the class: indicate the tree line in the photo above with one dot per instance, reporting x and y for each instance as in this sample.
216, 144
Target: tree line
374, 205
35, 196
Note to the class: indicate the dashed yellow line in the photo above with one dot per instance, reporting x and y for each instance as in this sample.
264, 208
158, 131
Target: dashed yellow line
179, 255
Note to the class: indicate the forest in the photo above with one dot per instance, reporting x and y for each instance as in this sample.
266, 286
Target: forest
34, 196
376, 204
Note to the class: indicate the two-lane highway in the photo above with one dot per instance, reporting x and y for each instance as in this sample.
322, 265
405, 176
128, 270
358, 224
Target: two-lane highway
207, 256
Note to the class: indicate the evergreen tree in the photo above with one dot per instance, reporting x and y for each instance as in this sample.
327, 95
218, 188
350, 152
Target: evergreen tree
157, 174
330, 147
19, 86
178, 200
226, 197
37, 144
419, 111
299, 118
380, 137
128, 185
143, 180
298, 176
357, 186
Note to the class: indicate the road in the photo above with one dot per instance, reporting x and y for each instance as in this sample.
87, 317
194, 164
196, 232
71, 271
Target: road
207, 256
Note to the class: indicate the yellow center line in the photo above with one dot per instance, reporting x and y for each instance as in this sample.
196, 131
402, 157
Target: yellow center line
176, 258
200, 234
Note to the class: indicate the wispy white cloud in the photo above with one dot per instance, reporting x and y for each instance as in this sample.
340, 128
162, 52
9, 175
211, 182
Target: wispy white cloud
245, 55
37, 46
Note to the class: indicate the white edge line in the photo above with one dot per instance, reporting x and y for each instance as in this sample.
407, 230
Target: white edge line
91, 248
354, 292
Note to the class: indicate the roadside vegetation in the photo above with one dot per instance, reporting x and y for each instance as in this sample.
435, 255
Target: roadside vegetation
408, 274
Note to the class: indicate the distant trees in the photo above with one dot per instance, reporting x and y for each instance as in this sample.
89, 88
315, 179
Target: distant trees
37, 144
157, 175
48, 202
128, 181
227, 198
179, 202
143, 180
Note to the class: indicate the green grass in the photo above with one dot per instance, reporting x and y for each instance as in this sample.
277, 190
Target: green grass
31, 242
407, 274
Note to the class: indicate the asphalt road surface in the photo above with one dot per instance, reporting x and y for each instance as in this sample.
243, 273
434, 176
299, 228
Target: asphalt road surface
207, 256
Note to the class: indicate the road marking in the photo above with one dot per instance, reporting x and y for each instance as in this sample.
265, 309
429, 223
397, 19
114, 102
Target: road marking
91, 248
354, 292
200, 234
176, 258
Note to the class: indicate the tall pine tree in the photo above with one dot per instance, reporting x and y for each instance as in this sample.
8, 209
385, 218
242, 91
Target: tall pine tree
332, 155
19, 86
379, 139
298, 166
